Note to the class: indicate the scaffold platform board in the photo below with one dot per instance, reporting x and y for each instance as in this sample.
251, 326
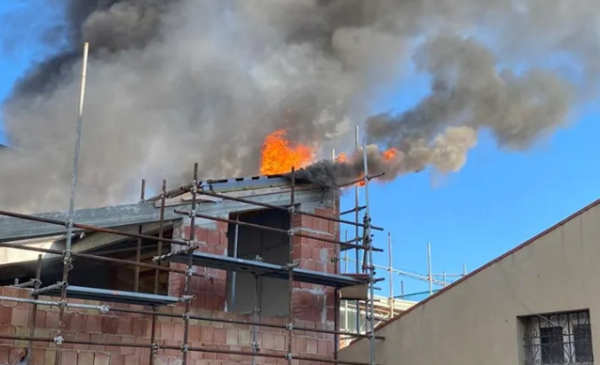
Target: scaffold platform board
265, 269
114, 296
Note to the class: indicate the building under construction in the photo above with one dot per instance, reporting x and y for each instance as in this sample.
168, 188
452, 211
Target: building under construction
216, 272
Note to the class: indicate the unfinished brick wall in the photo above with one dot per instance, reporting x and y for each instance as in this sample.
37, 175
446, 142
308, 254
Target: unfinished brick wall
313, 308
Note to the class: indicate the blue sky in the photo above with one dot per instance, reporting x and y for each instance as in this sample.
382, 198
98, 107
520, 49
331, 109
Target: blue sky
497, 201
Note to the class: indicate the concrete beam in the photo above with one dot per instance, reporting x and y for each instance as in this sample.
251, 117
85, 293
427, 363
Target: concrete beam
14, 229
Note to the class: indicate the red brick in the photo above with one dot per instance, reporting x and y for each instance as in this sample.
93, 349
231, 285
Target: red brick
86, 358
195, 332
126, 350
5, 315
68, 357
132, 360
139, 327
77, 322
37, 356
207, 334
110, 325
101, 359
219, 335
322, 347
49, 357
4, 354
40, 318
301, 345
311, 346
167, 331
231, 337
51, 320
20, 317
99, 339
124, 326
117, 359
93, 324
268, 341
7, 331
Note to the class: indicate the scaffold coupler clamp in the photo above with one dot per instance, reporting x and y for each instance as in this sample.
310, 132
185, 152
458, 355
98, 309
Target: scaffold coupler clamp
189, 272
289, 356
58, 340
68, 260
185, 316
185, 348
289, 326
255, 346
104, 309
154, 348
187, 298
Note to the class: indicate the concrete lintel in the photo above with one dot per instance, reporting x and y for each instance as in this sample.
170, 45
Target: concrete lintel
14, 229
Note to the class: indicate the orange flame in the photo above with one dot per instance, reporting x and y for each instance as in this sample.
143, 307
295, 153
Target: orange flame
279, 155
389, 154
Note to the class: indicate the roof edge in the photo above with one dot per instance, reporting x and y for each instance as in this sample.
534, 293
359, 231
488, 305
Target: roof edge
487, 265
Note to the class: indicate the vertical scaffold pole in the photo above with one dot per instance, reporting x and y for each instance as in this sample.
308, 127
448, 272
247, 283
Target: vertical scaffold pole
138, 248
161, 229
356, 228
33, 316
67, 260
188, 274
370, 317
291, 265
255, 318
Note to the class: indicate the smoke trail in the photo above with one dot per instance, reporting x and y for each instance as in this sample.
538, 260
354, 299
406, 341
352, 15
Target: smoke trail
175, 82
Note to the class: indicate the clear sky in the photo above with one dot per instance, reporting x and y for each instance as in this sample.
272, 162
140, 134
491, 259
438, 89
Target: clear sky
497, 201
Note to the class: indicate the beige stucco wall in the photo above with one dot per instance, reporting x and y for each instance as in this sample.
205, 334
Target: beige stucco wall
475, 322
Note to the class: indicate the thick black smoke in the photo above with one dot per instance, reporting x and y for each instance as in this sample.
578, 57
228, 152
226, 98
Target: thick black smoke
176, 82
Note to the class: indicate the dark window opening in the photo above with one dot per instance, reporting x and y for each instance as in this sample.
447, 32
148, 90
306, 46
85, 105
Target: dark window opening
253, 243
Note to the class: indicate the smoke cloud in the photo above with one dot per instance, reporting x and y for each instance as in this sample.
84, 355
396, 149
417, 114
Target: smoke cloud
176, 82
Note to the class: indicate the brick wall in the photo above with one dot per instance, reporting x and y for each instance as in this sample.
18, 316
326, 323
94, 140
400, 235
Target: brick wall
313, 308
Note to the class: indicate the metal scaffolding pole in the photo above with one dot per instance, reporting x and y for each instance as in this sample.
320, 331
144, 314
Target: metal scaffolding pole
138, 251
391, 275
291, 266
272, 229
190, 268
429, 271
33, 313
371, 268
161, 228
236, 237
357, 221
255, 318
67, 260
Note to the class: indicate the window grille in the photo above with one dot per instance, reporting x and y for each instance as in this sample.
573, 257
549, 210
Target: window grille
559, 338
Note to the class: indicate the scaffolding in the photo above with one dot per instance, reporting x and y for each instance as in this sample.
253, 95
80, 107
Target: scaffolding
189, 255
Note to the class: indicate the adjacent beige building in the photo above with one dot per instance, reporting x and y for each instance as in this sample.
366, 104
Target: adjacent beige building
537, 304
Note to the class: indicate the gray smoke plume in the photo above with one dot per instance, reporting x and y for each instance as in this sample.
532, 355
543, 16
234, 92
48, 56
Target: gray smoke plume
176, 82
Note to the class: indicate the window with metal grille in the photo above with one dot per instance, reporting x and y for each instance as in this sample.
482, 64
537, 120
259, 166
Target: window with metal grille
558, 338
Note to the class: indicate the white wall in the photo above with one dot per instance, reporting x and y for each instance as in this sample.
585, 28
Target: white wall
475, 322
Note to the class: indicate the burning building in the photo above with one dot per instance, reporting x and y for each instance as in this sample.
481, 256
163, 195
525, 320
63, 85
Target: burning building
227, 270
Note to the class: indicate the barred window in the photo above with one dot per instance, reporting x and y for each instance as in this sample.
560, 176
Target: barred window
558, 338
